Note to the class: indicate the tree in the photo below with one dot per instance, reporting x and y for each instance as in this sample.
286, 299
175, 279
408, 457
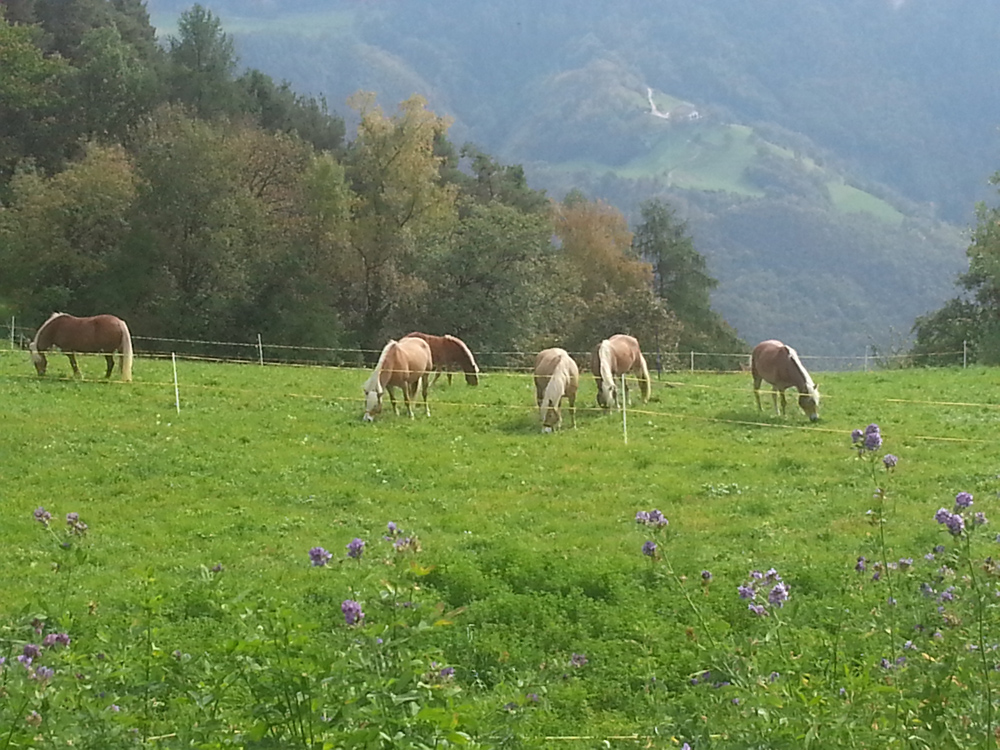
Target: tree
113, 87
400, 204
682, 281
203, 61
30, 92
975, 321
60, 235
495, 284
492, 181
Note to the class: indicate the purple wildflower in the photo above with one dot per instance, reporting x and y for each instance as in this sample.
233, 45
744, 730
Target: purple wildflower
533, 697
861, 566
649, 548
355, 548
43, 674
873, 437
706, 576
962, 500
774, 676
657, 519
890, 461
778, 595
34, 719
979, 518
955, 524
72, 518
42, 516
114, 708
447, 673
942, 515
939, 548
393, 529
319, 556
217, 568
577, 660
905, 563
856, 436
352, 611
31, 651
642, 516
758, 609
746, 592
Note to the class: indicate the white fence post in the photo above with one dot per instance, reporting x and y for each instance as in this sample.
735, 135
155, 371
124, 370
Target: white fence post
177, 392
692, 361
260, 350
624, 404
965, 354
12, 333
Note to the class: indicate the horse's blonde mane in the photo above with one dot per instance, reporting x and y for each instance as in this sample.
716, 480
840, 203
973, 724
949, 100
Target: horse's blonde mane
374, 382
44, 325
464, 348
556, 387
604, 353
810, 385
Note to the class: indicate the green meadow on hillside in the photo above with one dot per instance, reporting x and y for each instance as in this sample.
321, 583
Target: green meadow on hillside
523, 608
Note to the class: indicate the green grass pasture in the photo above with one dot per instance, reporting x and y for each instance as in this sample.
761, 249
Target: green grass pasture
529, 554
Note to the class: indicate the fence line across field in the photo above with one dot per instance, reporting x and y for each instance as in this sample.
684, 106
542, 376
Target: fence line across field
526, 372
357, 354
633, 411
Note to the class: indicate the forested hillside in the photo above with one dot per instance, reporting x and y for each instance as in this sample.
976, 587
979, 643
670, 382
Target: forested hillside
197, 198
811, 119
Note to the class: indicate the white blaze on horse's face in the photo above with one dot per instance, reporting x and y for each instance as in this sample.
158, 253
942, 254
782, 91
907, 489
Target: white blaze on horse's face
607, 395
373, 404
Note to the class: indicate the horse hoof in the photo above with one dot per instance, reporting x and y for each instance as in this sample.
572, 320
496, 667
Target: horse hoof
367, 418
546, 429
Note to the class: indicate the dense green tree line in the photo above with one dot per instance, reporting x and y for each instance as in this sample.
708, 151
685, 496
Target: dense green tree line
967, 327
161, 184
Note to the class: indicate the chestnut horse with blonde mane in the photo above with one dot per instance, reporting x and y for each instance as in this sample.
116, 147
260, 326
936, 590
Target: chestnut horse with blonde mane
449, 353
780, 366
403, 364
103, 334
612, 358
556, 377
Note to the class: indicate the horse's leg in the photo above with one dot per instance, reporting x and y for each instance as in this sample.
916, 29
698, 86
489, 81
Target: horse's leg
449, 378
111, 365
423, 382
409, 391
783, 404
756, 393
572, 410
774, 397
72, 362
392, 400
437, 374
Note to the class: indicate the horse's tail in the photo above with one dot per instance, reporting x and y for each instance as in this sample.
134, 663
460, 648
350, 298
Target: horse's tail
644, 380
127, 353
554, 391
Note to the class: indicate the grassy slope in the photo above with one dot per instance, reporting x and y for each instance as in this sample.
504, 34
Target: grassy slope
263, 463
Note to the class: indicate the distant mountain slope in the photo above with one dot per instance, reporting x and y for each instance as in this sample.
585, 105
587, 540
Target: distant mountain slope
831, 138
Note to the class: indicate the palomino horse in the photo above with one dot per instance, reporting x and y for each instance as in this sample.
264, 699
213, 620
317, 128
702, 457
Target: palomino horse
105, 334
612, 358
449, 353
403, 364
556, 376
780, 366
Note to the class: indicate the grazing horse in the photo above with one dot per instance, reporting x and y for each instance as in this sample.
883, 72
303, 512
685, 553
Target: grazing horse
449, 353
556, 376
613, 357
403, 364
105, 334
780, 366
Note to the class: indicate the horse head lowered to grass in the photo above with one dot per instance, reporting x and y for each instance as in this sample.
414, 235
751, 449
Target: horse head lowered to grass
780, 366
103, 334
403, 364
612, 358
449, 353
556, 377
